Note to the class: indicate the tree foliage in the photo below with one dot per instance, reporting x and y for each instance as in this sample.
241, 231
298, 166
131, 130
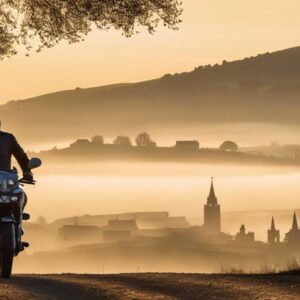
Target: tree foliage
144, 139
122, 141
229, 146
45, 23
97, 139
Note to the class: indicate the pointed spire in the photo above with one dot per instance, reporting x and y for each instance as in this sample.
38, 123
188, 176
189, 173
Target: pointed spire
273, 224
295, 222
212, 196
212, 190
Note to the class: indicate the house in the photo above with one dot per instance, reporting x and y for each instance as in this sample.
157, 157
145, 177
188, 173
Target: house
187, 145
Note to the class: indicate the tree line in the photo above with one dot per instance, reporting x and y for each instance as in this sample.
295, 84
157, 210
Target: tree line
142, 139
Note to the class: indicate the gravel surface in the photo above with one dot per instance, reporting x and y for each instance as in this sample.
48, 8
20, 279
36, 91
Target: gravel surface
150, 286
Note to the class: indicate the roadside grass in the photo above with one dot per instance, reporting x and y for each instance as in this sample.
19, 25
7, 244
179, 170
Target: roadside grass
292, 267
289, 267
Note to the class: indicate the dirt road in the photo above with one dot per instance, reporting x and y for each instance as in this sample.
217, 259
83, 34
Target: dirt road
150, 286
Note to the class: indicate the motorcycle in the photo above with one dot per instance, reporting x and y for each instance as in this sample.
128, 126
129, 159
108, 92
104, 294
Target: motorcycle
12, 198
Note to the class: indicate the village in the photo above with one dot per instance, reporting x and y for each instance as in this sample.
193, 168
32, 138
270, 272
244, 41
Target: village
138, 227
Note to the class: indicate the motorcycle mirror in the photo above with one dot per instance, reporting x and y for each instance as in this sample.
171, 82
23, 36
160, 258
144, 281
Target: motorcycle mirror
34, 163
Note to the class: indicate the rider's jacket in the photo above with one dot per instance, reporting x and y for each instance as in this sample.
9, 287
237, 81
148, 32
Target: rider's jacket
9, 147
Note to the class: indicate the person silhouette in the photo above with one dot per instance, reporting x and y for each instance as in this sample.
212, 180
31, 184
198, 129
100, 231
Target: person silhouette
9, 147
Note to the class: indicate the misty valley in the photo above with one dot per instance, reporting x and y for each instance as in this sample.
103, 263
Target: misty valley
125, 201
112, 217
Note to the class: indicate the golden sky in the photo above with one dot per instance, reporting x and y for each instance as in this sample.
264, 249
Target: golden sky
211, 31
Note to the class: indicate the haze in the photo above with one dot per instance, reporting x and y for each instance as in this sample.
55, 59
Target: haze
211, 31
68, 190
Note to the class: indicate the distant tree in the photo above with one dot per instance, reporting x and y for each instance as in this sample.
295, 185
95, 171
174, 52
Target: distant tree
122, 141
80, 143
46, 23
167, 76
229, 146
143, 139
97, 139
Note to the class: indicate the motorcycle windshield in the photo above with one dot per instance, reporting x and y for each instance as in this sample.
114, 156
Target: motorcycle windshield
8, 182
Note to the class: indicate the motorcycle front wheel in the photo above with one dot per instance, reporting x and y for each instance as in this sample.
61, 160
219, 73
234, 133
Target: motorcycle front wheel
7, 250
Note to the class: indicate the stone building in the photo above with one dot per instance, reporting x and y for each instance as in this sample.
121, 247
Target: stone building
243, 237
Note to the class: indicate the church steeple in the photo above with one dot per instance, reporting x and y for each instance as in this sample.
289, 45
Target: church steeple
212, 215
212, 199
295, 222
273, 224
293, 236
273, 234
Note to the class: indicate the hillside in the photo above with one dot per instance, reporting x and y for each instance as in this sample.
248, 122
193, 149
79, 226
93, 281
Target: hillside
265, 88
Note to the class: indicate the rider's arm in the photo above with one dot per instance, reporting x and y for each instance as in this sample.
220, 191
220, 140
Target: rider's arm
20, 156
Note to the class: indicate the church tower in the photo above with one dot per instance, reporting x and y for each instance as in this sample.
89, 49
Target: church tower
273, 234
295, 223
293, 236
212, 216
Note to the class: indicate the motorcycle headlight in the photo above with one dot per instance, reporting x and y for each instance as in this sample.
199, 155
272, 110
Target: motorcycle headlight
14, 199
10, 183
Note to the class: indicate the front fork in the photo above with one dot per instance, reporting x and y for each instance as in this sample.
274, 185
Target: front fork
13, 213
18, 212
10, 220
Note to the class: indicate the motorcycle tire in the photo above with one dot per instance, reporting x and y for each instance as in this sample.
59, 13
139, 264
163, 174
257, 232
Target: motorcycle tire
7, 249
